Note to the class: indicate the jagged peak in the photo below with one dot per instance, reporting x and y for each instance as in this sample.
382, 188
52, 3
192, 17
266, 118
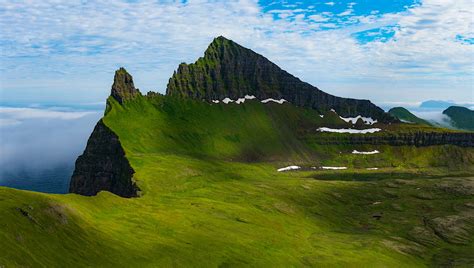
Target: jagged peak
228, 69
123, 88
221, 44
221, 40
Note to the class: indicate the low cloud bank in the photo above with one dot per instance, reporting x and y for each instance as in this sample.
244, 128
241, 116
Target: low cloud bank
434, 116
33, 140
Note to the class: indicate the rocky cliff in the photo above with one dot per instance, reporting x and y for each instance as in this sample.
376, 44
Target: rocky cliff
123, 88
463, 139
103, 166
230, 70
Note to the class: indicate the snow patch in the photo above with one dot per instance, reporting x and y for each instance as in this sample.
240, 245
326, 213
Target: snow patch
238, 101
334, 168
321, 115
246, 97
281, 101
227, 100
288, 168
349, 130
372, 168
370, 152
353, 120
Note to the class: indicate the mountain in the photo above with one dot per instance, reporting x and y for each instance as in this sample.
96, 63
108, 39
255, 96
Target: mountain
123, 88
461, 117
103, 166
293, 132
175, 181
406, 116
229, 70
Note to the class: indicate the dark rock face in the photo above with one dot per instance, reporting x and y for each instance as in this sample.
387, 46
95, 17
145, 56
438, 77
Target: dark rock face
103, 166
230, 70
463, 139
123, 88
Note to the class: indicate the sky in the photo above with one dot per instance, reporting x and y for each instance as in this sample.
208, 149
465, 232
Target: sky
390, 51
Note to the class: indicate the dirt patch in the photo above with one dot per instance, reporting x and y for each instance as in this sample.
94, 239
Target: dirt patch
307, 187
423, 195
453, 229
284, 208
424, 236
57, 212
469, 204
390, 193
397, 207
401, 246
461, 187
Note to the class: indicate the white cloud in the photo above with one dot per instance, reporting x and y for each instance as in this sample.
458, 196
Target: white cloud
41, 140
14, 114
330, 3
318, 18
436, 117
85, 41
345, 13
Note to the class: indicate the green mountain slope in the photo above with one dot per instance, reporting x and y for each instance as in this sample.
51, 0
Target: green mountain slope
206, 191
406, 116
461, 117
211, 196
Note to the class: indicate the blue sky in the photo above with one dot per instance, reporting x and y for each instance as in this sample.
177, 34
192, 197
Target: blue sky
402, 51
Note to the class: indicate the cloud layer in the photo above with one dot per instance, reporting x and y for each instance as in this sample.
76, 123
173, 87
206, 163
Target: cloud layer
423, 50
33, 140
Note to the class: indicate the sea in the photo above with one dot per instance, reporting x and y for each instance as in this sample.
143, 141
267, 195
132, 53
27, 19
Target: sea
55, 180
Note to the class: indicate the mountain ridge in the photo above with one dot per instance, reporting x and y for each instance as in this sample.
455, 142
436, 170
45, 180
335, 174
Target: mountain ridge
229, 70
406, 116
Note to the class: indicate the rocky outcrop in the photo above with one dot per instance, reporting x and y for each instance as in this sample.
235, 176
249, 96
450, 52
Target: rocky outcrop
123, 88
230, 70
103, 166
463, 139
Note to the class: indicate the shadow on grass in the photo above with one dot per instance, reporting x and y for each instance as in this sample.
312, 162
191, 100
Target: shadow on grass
365, 176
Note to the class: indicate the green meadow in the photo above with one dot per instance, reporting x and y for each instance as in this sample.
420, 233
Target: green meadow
211, 196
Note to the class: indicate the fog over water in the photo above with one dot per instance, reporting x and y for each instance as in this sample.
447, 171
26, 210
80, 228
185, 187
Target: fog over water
38, 146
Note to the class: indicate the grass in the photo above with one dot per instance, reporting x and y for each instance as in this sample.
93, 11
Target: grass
212, 197
403, 114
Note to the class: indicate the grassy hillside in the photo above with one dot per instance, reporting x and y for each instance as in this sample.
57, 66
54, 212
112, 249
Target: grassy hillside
461, 117
211, 196
406, 116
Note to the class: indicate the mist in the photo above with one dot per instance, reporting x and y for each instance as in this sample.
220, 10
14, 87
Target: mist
434, 116
39, 141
